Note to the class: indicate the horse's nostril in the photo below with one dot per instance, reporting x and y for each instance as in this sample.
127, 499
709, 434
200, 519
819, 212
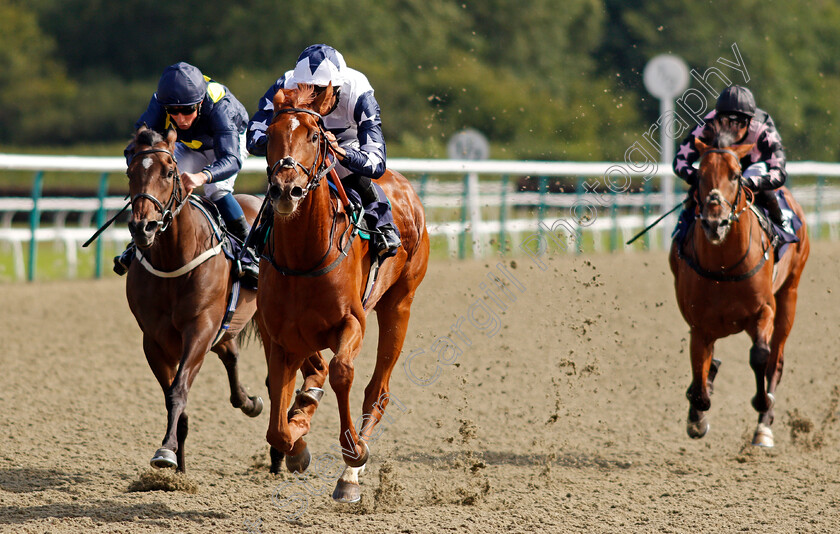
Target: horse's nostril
274, 191
296, 192
151, 227
724, 222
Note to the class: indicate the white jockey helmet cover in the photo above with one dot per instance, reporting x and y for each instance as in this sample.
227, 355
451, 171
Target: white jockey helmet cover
319, 64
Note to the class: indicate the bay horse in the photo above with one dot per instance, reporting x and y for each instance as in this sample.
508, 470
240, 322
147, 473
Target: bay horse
311, 286
179, 287
727, 282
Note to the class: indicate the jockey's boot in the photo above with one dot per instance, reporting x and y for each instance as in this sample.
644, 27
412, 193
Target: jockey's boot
767, 199
239, 228
385, 238
123, 261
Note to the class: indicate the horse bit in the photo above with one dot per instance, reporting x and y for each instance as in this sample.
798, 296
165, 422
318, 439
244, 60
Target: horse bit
167, 213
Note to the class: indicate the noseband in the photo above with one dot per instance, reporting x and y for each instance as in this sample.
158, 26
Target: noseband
176, 200
313, 173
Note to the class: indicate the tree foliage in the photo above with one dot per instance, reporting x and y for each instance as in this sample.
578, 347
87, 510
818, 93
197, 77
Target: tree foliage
542, 79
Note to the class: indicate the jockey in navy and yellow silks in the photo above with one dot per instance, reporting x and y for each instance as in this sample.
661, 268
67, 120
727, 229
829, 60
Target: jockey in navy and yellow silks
210, 123
220, 123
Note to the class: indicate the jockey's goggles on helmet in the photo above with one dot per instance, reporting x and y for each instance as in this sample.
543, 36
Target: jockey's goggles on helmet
181, 110
737, 118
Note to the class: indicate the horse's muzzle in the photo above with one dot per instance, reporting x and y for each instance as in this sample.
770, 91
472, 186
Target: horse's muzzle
285, 197
143, 231
715, 229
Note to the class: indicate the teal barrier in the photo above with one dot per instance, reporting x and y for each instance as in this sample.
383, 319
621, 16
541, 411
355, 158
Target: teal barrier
462, 241
34, 222
503, 214
100, 220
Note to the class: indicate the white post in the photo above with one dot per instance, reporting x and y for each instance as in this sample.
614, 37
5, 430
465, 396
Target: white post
666, 76
666, 109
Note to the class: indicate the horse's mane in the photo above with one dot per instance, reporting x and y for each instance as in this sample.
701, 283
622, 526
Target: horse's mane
723, 134
301, 97
148, 138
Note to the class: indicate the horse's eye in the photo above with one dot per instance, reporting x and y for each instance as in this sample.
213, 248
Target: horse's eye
171, 174
315, 137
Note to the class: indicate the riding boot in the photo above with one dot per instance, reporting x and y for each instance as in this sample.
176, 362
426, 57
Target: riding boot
123, 261
386, 238
239, 228
767, 199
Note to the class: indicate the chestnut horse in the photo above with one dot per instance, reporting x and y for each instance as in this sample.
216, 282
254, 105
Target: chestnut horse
312, 280
727, 282
179, 286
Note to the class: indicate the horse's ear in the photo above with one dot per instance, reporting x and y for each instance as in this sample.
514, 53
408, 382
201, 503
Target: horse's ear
700, 146
171, 137
324, 102
742, 150
280, 98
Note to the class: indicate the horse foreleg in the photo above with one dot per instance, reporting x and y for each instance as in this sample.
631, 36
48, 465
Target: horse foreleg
354, 450
698, 393
282, 369
314, 371
194, 349
228, 352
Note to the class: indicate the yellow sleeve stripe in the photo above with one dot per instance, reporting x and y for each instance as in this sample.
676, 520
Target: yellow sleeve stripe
195, 145
216, 91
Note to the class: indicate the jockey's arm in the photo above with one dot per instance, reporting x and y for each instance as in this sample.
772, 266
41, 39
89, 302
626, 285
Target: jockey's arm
255, 138
368, 158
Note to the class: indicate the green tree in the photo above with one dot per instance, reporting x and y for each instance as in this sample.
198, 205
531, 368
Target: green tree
34, 89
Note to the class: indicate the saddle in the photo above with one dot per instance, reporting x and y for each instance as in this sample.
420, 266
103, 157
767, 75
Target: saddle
233, 249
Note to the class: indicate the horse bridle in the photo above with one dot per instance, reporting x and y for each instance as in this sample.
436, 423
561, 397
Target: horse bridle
176, 200
734, 213
723, 275
314, 173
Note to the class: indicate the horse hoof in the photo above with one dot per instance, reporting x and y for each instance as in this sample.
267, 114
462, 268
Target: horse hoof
347, 492
257, 407
164, 458
763, 436
697, 429
299, 463
276, 459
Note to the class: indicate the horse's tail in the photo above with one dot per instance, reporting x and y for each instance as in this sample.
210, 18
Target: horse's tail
249, 333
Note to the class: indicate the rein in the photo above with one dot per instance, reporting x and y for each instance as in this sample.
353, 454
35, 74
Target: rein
733, 217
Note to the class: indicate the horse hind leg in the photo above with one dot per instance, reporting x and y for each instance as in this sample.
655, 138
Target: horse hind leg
228, 352
783, 322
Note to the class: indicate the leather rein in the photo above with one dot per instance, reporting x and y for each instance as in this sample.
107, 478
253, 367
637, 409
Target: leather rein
315, 173
733, 217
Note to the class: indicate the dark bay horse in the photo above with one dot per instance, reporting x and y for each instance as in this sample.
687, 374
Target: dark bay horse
727, 282
179, 287
312, 280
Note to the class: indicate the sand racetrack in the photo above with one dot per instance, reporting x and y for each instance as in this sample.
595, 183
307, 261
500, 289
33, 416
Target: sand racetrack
570, 417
